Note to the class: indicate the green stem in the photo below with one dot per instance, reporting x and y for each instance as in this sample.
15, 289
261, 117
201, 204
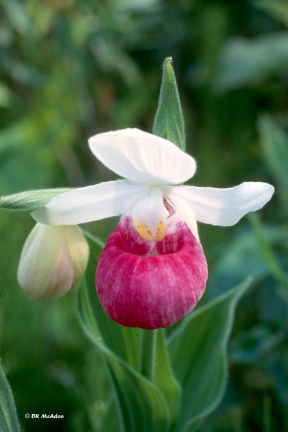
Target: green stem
148, 352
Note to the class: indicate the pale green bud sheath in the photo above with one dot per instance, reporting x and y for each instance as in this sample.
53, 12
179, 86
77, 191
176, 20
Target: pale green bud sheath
52, 261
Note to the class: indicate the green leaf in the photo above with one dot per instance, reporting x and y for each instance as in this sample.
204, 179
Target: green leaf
8, 415
202, 368
30, 200
274, 142
169, 123
141, 405
143, 408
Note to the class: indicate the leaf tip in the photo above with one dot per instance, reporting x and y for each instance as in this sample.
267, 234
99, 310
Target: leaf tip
168, 61
168, 70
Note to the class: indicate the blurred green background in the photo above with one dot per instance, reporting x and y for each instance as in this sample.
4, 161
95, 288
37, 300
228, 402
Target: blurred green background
70, 69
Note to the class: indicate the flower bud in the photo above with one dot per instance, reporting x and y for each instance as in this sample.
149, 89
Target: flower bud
53, 260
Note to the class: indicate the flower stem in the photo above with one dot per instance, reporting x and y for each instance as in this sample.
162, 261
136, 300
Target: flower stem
148, 352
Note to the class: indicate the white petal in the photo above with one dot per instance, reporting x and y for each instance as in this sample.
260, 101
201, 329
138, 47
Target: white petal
143, 157
91, 203
222, 207
149, 216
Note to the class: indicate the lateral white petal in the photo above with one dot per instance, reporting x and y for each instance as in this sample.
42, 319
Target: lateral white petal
142, 157
91, 203
223, 207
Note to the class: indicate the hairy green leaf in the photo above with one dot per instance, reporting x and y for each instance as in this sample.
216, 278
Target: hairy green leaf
169, 123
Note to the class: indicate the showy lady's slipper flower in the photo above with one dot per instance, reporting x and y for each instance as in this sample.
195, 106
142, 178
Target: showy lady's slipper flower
153, 278
151, 284
53, 260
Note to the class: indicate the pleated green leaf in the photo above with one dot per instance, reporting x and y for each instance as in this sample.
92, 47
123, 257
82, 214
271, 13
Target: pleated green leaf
30, 200
141, 405
168, 122
8, 415
198, 355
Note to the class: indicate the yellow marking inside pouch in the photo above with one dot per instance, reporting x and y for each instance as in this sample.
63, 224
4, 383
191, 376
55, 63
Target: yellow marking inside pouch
146, 233
161, 230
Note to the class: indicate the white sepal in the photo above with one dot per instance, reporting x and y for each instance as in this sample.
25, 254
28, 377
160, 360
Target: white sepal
91, 203
223, 207
142, 157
